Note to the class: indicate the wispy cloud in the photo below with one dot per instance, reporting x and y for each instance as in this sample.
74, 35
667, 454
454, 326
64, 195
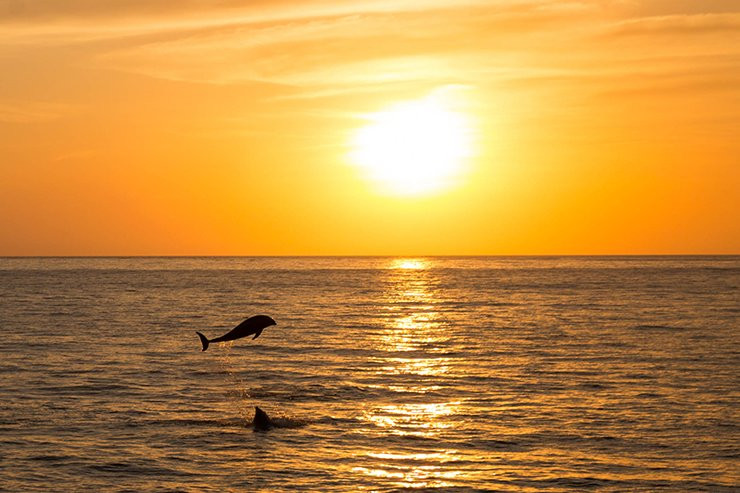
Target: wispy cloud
32, 21
329, 46
31, 111
377, 47
695, 24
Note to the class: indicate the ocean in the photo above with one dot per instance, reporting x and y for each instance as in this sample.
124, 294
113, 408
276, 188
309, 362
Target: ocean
383, 374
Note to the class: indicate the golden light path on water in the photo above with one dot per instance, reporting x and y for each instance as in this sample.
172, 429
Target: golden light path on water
414, 327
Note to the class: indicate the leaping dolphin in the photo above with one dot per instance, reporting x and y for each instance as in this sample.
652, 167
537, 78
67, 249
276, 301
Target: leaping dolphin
262, 421
253, 325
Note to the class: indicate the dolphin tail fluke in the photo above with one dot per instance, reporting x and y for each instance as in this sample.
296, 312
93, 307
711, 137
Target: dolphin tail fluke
203, 340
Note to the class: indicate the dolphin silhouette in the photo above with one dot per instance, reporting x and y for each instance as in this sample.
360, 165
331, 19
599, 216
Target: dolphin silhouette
253, 325
261, 421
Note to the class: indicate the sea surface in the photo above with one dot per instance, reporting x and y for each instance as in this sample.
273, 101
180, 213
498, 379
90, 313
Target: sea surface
383, 374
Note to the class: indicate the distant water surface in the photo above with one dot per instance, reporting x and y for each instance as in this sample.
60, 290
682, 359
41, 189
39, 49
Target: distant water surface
386, 374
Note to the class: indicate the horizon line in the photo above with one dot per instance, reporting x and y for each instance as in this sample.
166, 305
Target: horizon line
544, 255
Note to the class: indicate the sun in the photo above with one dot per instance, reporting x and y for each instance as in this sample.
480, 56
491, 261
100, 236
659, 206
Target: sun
414, 147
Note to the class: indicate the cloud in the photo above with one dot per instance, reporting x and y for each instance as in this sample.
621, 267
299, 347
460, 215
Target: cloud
31, 111
73, 21
358, 49
328, 47
682, 25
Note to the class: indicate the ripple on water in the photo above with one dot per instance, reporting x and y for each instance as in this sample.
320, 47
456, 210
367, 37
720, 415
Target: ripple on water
603, 374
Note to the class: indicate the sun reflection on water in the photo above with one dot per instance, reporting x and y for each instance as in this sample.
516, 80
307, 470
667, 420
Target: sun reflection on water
409, 263
395, 466
413, 344
421, 420
416, 366
420, 477
410, 300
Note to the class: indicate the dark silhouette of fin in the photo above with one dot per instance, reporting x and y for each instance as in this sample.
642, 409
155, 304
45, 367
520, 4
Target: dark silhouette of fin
203, 340
262, 421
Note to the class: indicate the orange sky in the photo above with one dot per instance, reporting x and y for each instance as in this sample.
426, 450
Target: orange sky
151, 127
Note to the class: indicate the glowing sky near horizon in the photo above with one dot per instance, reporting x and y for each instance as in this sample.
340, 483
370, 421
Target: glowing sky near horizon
133, 127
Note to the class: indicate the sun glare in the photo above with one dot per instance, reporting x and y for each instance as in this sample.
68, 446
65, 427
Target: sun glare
412, 264
414, 147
